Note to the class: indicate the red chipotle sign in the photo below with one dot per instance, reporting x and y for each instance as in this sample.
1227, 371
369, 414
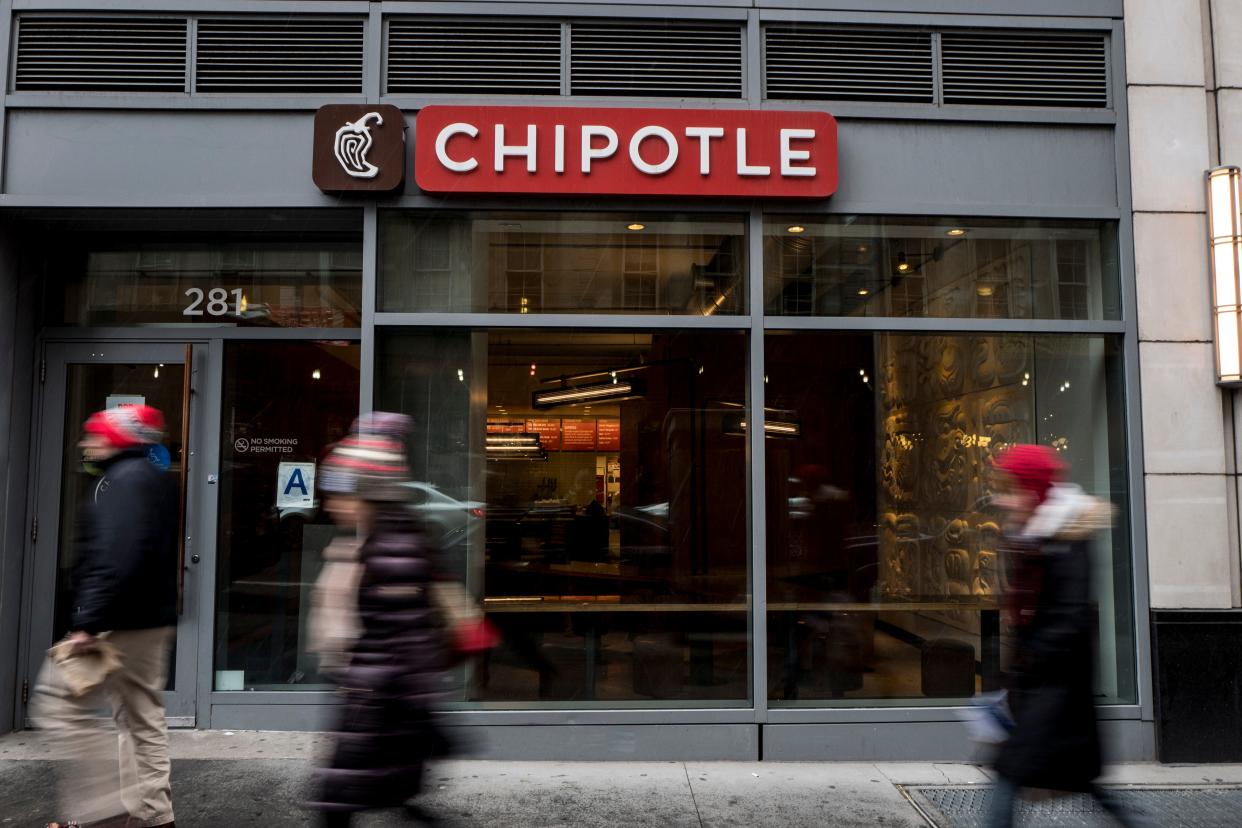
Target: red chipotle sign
590, 151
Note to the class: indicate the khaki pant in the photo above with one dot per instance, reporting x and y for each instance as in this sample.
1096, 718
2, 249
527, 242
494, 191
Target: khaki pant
90, 786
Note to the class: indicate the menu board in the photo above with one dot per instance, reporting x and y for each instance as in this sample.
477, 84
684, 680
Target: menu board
579, 435
549, 431
608, 435
505, 426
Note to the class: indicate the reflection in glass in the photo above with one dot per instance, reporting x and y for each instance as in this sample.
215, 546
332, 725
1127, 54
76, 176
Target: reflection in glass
939, 267
586, 486
561, 263
883, 564
268, 284
270, 549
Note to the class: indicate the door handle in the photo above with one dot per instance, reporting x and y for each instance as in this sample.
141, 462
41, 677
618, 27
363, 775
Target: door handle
194, 559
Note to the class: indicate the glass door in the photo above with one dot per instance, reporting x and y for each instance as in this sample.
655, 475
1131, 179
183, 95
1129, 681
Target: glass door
79, 379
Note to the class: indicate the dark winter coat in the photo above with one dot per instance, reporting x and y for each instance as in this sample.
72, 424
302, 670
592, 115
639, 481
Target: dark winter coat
125, 577
1055, 743
394, 676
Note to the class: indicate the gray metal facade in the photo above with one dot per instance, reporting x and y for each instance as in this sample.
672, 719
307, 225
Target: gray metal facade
158, 150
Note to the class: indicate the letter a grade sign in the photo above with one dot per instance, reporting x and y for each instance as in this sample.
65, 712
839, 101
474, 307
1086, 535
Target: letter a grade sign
633, 152
295, 485
713, 153
359, 148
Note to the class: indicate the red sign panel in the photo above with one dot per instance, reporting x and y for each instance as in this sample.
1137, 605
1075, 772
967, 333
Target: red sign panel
505, 426
549, 431
588, 151
578, 435
608, 435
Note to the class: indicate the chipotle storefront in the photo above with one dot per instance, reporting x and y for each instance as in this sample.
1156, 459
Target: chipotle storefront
704, 391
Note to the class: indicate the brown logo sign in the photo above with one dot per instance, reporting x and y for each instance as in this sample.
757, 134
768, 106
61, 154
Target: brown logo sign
359, 148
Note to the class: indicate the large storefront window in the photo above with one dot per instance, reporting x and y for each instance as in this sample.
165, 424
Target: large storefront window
940, 267
561, 263
884, 582
284, 404
591, 487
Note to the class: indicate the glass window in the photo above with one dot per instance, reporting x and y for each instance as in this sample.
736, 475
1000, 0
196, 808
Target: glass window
938, 267
283, 269
561, 263
883, 566
271, 541
591, 487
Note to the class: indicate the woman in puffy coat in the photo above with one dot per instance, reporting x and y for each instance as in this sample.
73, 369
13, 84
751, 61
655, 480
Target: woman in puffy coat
1054, 743
395, 668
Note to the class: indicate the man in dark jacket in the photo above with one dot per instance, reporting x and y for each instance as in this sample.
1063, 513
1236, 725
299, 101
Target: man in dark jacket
1054, 743
124, 593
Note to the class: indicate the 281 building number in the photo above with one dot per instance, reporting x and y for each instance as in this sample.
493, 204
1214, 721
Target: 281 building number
216, 300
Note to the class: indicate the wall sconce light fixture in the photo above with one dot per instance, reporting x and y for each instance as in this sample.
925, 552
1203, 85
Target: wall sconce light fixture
1225, 240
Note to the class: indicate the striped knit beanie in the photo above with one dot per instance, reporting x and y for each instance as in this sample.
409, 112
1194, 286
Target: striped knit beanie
370, 463
127, 426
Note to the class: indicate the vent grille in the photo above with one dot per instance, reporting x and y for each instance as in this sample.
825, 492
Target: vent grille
842, 64
656, 59
100, 54
1025, 69
508, 57
291, 54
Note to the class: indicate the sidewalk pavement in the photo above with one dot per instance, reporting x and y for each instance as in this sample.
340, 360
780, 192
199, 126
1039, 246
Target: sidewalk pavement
223, 779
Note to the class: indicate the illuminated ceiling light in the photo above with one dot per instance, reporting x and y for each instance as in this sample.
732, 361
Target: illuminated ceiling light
863, 292
862, 248
501, 441
795, 228
157, 372
618, 389
315, 374
903, 266
771, 428
985, 290
956, 231
522, 446
1225, 238
461, 375
636, 226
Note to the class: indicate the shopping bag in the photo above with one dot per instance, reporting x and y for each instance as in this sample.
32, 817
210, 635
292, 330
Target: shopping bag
988, 719
470, 632
85, 668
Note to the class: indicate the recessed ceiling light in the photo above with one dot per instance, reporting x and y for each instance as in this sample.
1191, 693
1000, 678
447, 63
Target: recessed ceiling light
863, 292
985, 290
636, 226
956, 231
796, 228
902, 267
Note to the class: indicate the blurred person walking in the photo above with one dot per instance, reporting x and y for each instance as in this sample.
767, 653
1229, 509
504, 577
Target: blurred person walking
393, 670
1054, 743
124, 605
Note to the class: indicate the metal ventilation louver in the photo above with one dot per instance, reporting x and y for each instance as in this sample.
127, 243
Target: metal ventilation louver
302, 54
101, 53
833, 63
656, 59
495, 56
1025, 68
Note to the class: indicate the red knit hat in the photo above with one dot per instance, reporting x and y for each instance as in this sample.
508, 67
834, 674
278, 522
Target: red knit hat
127, 426
1033, 468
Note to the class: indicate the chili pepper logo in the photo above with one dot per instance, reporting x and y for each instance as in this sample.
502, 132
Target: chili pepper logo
353, 142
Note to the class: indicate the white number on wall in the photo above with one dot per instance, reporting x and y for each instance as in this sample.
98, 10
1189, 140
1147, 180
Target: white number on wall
217, 300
